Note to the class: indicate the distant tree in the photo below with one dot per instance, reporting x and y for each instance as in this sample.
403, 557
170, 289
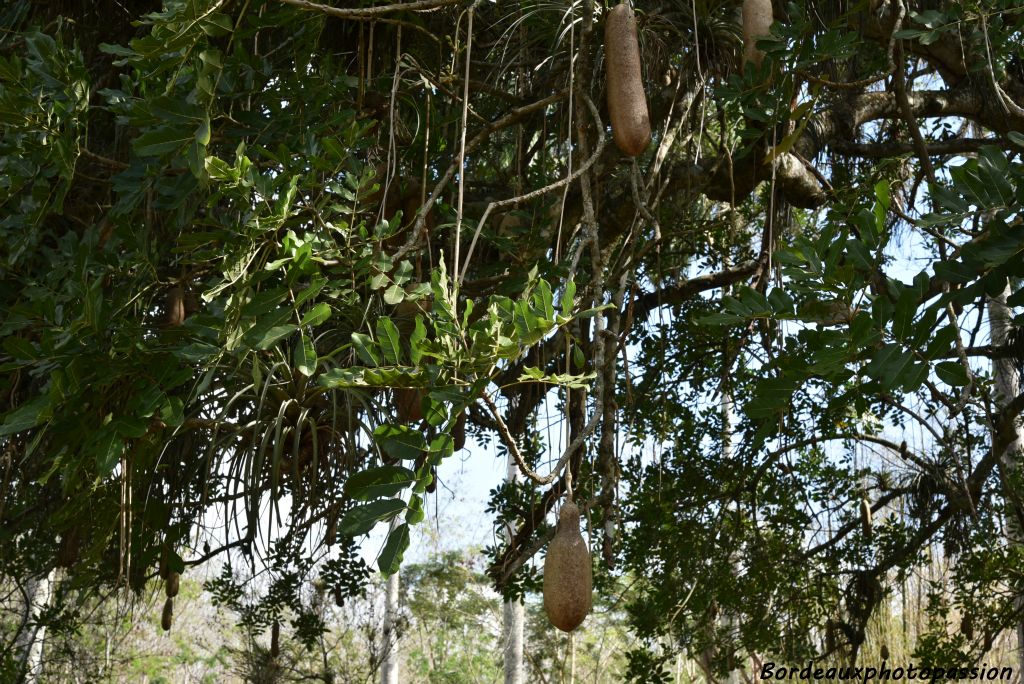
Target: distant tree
454, 622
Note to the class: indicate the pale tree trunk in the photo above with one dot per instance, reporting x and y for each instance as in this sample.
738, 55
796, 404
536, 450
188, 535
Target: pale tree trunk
38, 592
389, 665
512, 625
726, 409
1007, 382
727, 418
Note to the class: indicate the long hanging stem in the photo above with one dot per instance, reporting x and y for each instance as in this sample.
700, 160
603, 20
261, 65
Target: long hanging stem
462, 157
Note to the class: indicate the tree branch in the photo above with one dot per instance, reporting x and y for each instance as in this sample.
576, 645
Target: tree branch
361, 13
648, 301
936, 148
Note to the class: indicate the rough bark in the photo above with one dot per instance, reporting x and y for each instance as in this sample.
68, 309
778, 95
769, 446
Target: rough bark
389, 666
512, 623
1007, 383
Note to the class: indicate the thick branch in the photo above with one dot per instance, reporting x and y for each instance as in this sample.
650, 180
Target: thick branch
936, 148
649, 301
359, 13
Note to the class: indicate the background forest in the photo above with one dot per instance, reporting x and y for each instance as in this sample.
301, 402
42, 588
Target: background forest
267, 265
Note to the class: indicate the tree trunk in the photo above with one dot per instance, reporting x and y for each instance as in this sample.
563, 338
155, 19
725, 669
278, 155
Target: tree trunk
726, 409
1007, 381
727, 431
389, 664
38, 592
512, 625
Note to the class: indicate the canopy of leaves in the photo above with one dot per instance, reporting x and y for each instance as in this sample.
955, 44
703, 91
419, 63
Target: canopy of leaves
265, 261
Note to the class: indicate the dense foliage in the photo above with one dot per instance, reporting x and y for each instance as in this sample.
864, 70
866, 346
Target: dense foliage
249, 302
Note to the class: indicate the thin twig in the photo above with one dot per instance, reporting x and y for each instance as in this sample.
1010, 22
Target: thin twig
462, 151
113, 163
517, 455
540, 191
505, 121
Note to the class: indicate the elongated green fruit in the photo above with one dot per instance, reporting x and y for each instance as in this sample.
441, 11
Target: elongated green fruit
568, 578
757, 19
627, 103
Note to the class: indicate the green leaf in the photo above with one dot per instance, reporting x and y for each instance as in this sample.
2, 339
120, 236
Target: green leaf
129, 426
390, 341
218, 169
892, 366
952, 373
903, 317
216, 24
373, 483
882, 194
366, 348
400, 441
524, 320
271, 337
161, 141
941, 342
419, 334
531, 373
578, 359
780, 301
172, 412
197, 352
317, 315
390, 558
394, 295
20, 348
568, 298
314, 289
305, 356
415, 513
342, 378
364, 517
719, 319
202, 135
443, 303
109, 447
545, 299
772, 397
441, 447
26, 416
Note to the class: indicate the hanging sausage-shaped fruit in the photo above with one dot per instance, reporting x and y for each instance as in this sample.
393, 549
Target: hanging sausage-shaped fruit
568, 576
627, 102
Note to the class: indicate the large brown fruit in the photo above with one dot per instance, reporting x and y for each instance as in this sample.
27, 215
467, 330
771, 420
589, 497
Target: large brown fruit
567, 573
757, 19
67, 552
459, 432
168, 615
627, 103
175, 314
171, 586
165, 560
409, 404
